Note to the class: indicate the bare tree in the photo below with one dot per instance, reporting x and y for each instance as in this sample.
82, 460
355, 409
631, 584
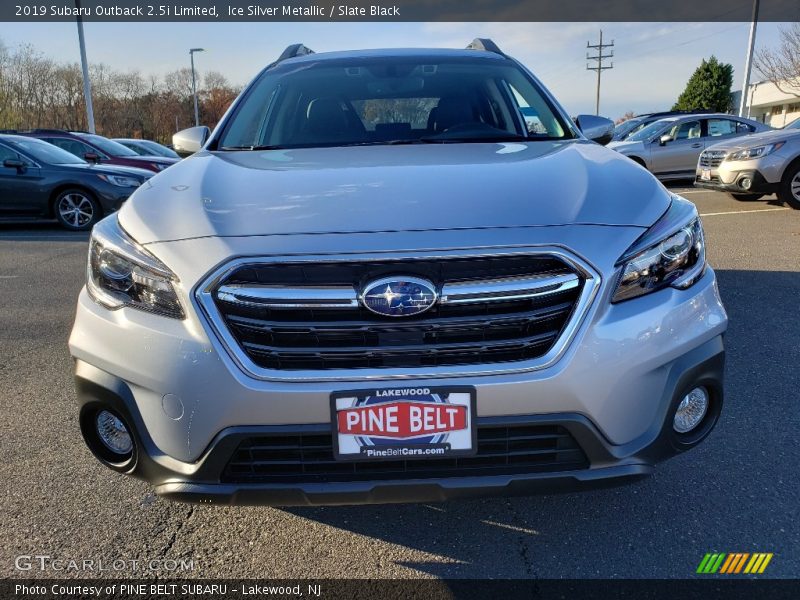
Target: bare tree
628, 115
781, 66
36, 91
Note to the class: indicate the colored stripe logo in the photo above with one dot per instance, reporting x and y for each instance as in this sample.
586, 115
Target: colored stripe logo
734, 563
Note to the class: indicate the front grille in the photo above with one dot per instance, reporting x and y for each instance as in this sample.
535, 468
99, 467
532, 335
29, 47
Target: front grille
306, 316
711, 159
308, 458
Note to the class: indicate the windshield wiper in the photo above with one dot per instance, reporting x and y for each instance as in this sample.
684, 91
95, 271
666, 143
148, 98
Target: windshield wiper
265, 147
475, 139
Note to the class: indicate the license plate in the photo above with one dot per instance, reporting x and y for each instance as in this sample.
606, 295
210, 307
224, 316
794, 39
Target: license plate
705, 174
403, 423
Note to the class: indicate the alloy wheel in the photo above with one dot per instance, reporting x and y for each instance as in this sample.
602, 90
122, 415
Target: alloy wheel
76, 209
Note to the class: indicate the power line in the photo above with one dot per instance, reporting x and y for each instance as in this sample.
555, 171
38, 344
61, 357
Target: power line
599, 67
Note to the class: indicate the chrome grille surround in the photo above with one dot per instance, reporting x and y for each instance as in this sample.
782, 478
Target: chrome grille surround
225, 341
712, 158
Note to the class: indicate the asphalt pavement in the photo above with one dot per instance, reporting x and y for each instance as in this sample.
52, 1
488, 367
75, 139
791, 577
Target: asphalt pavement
737, 492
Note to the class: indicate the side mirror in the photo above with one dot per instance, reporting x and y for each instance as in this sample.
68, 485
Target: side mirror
597, 129
14, 163
92, 157
662, 141
190, 140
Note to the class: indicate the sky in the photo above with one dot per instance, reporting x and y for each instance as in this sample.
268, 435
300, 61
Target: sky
652, 61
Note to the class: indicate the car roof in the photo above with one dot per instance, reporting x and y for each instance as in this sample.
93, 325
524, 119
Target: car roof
14, 137
395, 53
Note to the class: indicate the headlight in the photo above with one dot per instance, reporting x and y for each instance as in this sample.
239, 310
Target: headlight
671, 253
755, 152
122, 273
120, 180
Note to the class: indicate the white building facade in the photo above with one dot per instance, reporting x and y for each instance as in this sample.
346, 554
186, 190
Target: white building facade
768, 104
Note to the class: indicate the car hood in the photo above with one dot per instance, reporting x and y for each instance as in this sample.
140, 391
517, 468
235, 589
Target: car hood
756, 139
114, 170
393, 188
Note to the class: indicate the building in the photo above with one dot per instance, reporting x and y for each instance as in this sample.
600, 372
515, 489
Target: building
768, 104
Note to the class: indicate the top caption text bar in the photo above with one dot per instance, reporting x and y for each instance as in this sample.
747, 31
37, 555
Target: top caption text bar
400, 10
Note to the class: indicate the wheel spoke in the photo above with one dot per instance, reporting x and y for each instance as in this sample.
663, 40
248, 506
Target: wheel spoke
76, 209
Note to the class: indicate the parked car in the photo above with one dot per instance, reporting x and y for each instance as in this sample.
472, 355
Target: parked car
670, 147
98, 149
41, 181
749, 168
631, 126
377, 285
147, 147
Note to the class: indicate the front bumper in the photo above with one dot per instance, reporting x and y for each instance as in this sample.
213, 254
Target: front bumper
734, 185
615, 390
608, 464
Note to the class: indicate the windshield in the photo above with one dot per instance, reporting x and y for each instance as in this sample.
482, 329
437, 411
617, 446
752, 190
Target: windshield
793, 125
108, 146
156, 149
46, 153
645, 133
391, 100
621, 130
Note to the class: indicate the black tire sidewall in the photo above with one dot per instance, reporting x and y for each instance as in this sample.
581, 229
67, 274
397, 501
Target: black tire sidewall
96, 209
785, 189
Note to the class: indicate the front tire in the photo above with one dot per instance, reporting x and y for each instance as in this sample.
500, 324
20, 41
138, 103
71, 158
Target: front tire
77, 210
789, 189
746, 197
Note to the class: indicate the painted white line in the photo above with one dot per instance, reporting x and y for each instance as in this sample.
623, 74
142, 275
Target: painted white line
741, 212
8, 276
511, 527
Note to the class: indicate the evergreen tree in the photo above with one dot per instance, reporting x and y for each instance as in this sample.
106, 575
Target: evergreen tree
709, 87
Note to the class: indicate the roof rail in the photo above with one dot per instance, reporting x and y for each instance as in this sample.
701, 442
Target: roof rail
485, 44
47, 130
293, 51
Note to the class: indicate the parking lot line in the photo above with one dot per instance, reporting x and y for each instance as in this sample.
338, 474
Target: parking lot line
741, 212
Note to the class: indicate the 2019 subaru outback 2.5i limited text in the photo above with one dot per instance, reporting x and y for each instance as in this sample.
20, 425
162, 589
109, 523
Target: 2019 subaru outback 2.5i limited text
396, 275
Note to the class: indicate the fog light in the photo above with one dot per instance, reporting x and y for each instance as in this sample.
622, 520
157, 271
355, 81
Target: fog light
113, 433
746, 183
691, 410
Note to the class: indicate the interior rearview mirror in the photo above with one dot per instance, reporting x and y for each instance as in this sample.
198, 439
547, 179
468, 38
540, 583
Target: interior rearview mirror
190, 140
597, 129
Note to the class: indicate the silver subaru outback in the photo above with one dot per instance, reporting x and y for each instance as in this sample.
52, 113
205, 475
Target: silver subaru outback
396, 275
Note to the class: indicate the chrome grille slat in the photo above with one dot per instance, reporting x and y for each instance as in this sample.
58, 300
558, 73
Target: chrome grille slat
276, 297
512, 288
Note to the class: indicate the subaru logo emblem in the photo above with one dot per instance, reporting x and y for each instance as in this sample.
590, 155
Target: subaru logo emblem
399, 296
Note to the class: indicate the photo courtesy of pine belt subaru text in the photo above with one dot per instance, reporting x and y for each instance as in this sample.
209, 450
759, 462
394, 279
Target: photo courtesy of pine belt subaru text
396, 276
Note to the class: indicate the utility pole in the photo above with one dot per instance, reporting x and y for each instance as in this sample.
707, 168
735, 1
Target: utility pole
87, 85
194, 85
599, 67
748, 61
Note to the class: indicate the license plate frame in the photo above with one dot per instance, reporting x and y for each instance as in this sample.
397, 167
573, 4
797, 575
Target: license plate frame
705, 175
351, 447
